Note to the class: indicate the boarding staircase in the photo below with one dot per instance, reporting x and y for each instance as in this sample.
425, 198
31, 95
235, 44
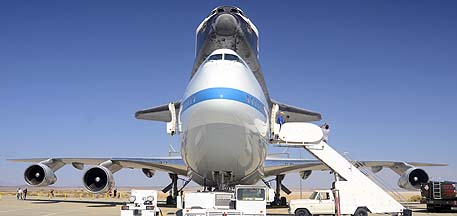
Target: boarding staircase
368, 171
355, 188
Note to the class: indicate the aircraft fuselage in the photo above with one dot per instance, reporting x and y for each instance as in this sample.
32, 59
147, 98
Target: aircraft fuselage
225, 108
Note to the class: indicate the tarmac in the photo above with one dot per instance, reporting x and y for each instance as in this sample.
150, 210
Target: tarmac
10, 206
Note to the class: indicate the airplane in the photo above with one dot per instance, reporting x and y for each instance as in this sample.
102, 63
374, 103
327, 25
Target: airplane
225, 121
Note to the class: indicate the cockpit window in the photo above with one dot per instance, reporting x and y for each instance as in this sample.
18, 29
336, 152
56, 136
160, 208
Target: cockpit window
215, 57
236, 10
231, 57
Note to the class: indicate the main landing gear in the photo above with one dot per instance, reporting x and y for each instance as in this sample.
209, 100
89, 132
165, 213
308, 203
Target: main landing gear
278, 200
173, 188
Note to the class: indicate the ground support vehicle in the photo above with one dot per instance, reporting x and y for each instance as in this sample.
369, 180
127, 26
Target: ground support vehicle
355, 193
439, 195
320, 202
141, 202
245, 200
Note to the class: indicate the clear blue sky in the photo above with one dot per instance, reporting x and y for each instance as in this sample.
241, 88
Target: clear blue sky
382, 73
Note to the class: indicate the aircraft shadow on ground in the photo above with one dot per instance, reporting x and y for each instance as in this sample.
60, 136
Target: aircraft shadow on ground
102, 203
451, 212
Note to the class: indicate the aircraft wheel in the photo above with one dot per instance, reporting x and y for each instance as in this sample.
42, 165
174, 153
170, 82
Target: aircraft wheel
283, 201
361, 212
170, 200
430, 208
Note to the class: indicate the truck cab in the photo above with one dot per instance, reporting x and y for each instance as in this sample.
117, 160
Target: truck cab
252, 200
320, 202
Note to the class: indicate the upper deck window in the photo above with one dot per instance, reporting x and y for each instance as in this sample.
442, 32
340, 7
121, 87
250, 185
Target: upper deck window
231, 57
215, 57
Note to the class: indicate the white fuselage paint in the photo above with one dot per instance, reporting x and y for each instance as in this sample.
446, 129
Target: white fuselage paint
225, 123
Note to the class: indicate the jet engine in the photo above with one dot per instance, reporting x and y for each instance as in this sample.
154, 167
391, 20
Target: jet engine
98, 179
39, 175
305, 174
412, 179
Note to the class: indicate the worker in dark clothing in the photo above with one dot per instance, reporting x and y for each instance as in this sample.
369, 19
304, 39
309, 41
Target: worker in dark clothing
24, 192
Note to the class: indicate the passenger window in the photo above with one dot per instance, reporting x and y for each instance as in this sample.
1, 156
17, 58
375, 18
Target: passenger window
231, 57
215, 57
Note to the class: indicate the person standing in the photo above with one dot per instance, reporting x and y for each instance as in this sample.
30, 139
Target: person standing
18, 193
21, 193
325, 130
24, 192
280, 120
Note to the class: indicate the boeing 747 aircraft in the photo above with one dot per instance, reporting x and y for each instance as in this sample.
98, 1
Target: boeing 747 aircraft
225, 120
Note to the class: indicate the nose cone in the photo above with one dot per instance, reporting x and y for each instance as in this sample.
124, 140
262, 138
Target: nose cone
225, 25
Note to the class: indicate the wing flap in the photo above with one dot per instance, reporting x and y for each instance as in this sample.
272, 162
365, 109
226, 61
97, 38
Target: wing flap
158, 113
296, 114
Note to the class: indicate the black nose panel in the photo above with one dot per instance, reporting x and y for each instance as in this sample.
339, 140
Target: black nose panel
225, 25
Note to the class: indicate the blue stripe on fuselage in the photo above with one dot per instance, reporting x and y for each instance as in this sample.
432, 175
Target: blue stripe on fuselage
225, 94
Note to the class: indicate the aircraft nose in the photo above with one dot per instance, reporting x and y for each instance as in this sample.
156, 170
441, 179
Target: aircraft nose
225, 25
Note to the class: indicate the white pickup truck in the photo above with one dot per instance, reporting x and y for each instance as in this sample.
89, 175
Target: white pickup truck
320, 202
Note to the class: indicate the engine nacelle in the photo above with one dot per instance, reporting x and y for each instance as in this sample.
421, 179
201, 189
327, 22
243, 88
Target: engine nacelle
98, 179
413, 178
305, 174
39, 175
148, 172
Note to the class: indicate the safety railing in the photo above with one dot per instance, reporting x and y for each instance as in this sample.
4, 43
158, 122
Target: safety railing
376, 179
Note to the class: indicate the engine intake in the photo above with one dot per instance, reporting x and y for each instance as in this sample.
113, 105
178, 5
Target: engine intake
39, 175
413, 178
98, 179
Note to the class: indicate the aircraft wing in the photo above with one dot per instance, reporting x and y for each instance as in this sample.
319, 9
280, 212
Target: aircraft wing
158, 113
167, 164
296, 114
279, 166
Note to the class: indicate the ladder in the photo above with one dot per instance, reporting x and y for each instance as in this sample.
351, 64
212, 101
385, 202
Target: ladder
355, 188
436, 188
